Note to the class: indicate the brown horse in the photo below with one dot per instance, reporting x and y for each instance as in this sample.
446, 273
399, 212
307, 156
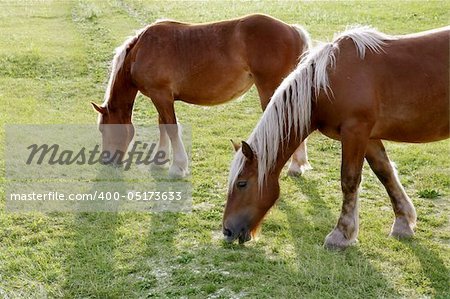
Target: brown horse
361, 88
203, 64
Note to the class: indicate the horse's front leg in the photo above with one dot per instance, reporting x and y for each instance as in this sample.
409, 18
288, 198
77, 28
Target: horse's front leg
164, 103
354, 140
405, 213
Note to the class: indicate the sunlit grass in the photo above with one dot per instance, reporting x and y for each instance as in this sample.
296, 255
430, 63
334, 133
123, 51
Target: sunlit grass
54, 58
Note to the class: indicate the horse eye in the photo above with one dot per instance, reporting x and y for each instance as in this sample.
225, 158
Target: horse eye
241, 184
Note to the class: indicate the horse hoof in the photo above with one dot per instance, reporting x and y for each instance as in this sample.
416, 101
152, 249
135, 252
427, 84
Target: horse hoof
337, 241
401, 229
298, 170
157, 167
176, 172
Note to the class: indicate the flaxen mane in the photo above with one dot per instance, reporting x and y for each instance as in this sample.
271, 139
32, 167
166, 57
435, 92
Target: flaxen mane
119, 57
290, 106
117, 62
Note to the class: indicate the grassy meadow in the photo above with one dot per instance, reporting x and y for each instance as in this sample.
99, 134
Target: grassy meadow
54, 59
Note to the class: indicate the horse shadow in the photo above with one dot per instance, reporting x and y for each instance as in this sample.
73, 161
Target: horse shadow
433, 267
94, 264
165, 266
333, 272
89, 261
315, 227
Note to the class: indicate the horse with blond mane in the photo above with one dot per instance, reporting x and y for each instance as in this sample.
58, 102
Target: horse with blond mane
203, 64
362, 88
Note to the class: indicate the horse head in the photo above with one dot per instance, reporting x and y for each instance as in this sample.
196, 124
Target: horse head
117, 133
247, 201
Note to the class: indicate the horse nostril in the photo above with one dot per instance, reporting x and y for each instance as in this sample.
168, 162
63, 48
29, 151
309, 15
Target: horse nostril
227, 232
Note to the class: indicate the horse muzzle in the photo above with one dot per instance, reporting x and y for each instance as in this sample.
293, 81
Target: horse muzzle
242, 235
112, 163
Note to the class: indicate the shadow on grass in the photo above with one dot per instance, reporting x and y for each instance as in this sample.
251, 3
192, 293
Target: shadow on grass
101, 264
218, 269
160, 252
90, 262
331, 274
433, 267
164, 266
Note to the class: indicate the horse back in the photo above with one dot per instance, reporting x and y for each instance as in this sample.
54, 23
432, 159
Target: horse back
223, 56
403, 90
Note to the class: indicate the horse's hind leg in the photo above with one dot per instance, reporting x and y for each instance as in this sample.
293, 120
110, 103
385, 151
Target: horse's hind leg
163, 144
164, 103
299, 161
405, 214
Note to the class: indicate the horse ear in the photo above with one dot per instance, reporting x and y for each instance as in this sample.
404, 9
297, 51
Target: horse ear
99, 109
247, 151
236, 146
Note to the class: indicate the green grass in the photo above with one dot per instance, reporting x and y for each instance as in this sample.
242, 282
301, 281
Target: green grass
54, 58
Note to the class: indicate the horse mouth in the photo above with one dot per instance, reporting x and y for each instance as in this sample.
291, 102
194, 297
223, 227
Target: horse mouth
242, 237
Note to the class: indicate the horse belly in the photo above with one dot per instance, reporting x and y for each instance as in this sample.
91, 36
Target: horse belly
413, 94
214, 88
415, 124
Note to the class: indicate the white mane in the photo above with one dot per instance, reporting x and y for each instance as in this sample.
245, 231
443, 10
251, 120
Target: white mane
119, 58
117, 62
290, 106
365, 37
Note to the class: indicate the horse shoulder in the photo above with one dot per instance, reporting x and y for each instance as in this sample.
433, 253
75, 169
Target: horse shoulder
151, 60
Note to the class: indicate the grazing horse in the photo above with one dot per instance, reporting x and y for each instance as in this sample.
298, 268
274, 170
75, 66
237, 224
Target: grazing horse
203, 64
362, 88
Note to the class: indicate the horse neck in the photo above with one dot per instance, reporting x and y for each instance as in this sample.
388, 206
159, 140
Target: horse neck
289, 145
286, 149
121, 100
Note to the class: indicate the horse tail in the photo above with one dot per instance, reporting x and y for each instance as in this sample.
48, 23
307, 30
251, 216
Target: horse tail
304, 36
118, 61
